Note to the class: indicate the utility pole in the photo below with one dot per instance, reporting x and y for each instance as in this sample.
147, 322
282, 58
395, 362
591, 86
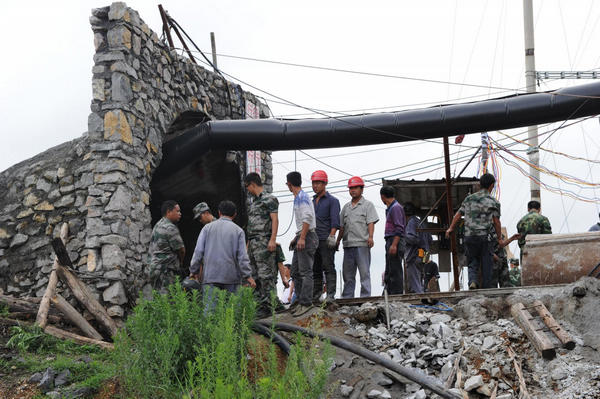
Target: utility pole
213, 45
532, 131
450, 208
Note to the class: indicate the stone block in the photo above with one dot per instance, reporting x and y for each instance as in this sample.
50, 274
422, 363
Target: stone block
110, 178
119, 37
473, 383
65, 201
117, 126
116, 275
114, 239
43, 185
44, 206
120, 201
108, 56
115, 311
30, 200
121, 66
98, 90
115, 294
18, 239
112, 256
117, 10
95, 227
121, 88
51, 176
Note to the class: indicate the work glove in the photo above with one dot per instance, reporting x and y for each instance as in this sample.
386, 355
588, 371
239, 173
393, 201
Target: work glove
331, 243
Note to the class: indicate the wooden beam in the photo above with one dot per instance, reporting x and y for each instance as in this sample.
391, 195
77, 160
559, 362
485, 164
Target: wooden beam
42, 316
77, 319
83, 294
62, 334
523, 394
553, 325
539, 340
456, 367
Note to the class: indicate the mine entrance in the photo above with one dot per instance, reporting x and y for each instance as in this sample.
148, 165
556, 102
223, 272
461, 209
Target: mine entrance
211, 178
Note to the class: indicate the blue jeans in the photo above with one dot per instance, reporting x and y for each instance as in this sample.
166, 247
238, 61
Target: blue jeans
211, 291
356, 258
479, 257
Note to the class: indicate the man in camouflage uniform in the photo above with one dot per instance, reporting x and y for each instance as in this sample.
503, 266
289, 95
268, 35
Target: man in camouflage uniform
532, 223
202, 213
482, 213
166, 248
515, 273
261, 233
500, 273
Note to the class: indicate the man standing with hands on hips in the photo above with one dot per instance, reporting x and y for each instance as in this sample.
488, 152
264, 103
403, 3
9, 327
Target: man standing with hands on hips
327, 213
357, 226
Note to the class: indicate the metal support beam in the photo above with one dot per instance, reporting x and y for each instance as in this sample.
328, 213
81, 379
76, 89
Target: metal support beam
541, 75
182, 41
453, 248
165, 27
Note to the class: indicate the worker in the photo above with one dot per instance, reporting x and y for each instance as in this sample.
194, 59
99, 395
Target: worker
262, 228
327, 213
202, 213
500, 274
417, 245
481, 211
221, 248
515, 273
357, 226
304, 244
166, 248
595, 227
532, 223
394, 235
431, 274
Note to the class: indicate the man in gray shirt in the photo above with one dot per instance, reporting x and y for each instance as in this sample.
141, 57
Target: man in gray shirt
221, 248
357, 225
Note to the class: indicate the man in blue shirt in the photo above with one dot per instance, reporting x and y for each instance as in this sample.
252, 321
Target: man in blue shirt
221, 248
394, 234
327, 212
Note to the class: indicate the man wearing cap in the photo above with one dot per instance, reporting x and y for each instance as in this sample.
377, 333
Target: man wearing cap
357, 226
327, 213
261, 234
202, 213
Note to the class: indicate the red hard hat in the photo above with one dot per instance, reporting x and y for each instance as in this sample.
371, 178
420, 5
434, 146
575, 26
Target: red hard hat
319, 175
355, 181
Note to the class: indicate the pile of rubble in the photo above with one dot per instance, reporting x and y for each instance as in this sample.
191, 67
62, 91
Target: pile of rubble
470, 348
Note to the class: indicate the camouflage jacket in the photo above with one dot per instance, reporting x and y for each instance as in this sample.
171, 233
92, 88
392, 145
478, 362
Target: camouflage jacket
515, 276
164, 244
478, 210
259, 216
533, 223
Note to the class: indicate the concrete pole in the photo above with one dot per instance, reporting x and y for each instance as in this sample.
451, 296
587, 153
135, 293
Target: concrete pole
213, 45
532, 131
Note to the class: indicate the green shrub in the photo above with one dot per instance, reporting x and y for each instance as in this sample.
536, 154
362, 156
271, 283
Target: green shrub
171, 347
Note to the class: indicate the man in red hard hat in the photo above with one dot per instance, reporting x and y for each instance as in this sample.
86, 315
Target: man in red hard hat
357, 226
327, 213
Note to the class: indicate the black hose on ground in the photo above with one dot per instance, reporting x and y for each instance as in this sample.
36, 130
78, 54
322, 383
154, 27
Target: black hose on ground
423, 380
273, 336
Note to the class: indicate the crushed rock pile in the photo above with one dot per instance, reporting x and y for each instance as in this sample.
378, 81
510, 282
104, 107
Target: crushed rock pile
481, 330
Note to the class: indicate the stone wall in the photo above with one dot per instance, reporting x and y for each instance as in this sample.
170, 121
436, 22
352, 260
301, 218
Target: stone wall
100, 182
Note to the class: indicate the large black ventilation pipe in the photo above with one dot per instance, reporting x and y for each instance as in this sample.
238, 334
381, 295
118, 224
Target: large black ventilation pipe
439, 121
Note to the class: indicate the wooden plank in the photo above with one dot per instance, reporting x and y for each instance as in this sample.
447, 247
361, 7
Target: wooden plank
77, 319
25, 305
523, 393
42, 316
539, 340
553, 325
83, 295
450, 380
62, 334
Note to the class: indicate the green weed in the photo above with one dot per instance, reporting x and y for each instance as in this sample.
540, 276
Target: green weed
171, 347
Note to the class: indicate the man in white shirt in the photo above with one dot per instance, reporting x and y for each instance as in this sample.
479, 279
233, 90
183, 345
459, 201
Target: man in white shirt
304, 244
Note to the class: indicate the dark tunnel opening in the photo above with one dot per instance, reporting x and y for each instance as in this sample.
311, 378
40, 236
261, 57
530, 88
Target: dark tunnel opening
211, 177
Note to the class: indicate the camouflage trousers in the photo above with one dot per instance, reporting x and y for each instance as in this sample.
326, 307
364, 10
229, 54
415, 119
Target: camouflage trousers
264, 270
500, 273
161, 277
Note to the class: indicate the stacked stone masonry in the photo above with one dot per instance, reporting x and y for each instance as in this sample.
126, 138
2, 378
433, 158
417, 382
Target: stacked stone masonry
100, 183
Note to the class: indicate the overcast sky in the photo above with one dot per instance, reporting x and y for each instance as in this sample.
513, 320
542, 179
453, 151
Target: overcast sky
45, 83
